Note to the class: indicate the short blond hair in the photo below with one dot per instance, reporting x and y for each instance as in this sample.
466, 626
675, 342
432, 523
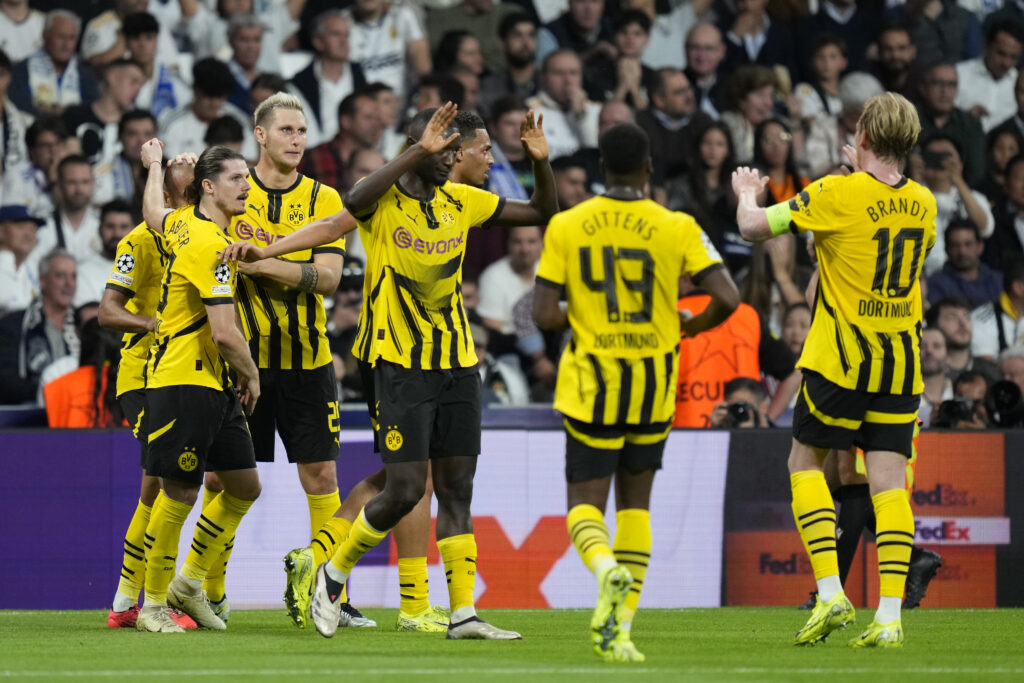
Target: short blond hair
280, 100
891, 125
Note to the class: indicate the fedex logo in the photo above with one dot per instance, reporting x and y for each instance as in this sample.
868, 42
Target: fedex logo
246, 232
947, 530
942, 495
403, 239
794, 564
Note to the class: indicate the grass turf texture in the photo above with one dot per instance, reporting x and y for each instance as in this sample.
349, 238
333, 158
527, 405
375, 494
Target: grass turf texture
727, 644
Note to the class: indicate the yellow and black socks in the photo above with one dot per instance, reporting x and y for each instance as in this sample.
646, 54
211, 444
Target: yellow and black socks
589, 534
162, 535
133, 566
361, 539
413, 585
215, 530
321, 509
327, 539
215, 579
815, 516
459, 556
633, 551
894, 531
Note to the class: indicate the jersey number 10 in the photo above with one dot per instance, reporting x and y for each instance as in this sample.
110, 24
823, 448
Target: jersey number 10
889, 264
611, 260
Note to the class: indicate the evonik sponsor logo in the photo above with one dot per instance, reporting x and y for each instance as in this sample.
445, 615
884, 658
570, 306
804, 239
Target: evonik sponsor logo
244, 231
403, 239
943, 495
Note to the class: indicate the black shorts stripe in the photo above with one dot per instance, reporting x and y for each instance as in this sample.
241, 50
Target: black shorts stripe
625, 389
888, 363
602, 390
864, 370
647, 402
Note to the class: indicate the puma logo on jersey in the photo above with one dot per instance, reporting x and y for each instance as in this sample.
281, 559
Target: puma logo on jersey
257, 209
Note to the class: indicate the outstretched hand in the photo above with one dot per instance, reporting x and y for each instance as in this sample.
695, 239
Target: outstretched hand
152, 152
746, 179
433, 139
243, 252
531, 135
851, 156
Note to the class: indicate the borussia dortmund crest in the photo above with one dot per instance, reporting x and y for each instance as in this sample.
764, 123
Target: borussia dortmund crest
295, 214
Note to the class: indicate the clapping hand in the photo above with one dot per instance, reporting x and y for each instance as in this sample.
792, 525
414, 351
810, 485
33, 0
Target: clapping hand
433, 139
531, 135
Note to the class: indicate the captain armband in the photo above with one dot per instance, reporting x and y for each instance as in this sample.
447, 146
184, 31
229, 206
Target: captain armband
779, 220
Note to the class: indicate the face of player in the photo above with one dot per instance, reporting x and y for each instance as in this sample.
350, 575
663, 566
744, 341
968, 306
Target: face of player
284, 138
955, 322
475, 160
524, 246
246, 44
631, 40
828, 62
19, 237
933, 352
75, 184
775, 142
59, 285
142, 47
436, 168
230, 189
469, 55
134, 135
114, 227
714, 148
506, 130
704, 50
795, 329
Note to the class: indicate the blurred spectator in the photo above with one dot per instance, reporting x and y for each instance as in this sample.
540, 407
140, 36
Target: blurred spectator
389, 42
470, 87
819, 96
750, 100
705, 50
518, 35
940, 29
744, 405
939, 115
570, 181
470, 292
612, 114
668, 30
857, 26
245, 36
227, 131
896, 56
772, 282
359, 127
622, 77
1011, 365
480, 18
987, 83
75, 223
1015, 123
163, 87
19, 282
952, 316
116, 220
943, 174
706, 194
361, 163
32, 338
967, 408
12, 123
330, 77
1001, 145
827, 135
570, 117
96, 123
934, 371
796, 323
342, 326
1005, 244
999, 324
392, 137
511, 175
503, 383
773, 154
434, 90
671, 123
263, 86
753, 38
123, 177
31, 182
506, 280
86, 397
964, 274
582, 29
182, 129
538, 349
208, 29
103, 40
21, 29
458, 47
52, 78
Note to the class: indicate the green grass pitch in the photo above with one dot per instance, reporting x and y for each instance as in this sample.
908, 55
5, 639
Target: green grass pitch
726, 644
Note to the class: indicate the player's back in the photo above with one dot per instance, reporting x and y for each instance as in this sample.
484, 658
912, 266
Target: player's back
620, 263
871, 240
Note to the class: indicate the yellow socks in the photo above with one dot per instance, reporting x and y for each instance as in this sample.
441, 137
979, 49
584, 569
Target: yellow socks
327, 539
361, 539
321, 509
894, 531
214, 532
213, 584
589, 534
161, 543
413, 586
133, 567
633, 551
459, 556
208, 497
815, 516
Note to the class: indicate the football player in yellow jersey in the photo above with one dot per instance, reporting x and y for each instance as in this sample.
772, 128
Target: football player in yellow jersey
861, 360
129, 305
194, 417
617, 259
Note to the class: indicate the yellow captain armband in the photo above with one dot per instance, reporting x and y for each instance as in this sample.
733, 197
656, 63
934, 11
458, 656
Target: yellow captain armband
779, 218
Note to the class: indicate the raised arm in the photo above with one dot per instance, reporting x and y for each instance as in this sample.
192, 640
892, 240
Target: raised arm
724, 300
318, 233
153, 209
114, 316
753, 220
363, 197
320, 277
544, 202
547, 312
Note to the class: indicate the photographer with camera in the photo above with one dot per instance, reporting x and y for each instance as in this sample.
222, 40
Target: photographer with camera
999, 324
744, 405
967, 408
1005, 400
937, 386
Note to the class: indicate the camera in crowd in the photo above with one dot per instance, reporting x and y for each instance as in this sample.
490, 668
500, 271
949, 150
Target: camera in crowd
1006, 404
740, 413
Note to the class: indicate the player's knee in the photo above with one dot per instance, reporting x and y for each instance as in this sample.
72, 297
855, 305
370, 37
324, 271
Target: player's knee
455, 491
404, 494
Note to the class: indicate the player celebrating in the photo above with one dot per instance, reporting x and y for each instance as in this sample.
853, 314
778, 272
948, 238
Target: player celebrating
617, 258
129, 305
193, 415
861, 360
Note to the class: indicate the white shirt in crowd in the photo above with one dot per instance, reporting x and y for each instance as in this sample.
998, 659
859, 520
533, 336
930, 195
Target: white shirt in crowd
92, 270
102, 32
950, 206
976, 86
380, 48
182, 131
985, 338
18, 284
20, 40
331, 95
84, 240
500, 289
209, 33
668, 38
566, 132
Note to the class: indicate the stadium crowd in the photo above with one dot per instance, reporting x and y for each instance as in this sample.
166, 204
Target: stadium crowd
776, 84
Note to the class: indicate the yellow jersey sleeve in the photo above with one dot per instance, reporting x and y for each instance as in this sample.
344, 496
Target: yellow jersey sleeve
482, 205
552, 267
214, 280
329, 204
817, 207
699, 255
122, 273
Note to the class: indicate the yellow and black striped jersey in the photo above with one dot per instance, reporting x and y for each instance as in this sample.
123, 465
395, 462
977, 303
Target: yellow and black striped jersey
412, 297
619, 263
285, 327
871, 239
183, 351
137, 272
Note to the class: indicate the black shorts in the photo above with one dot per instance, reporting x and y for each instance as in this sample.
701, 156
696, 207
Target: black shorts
366, 375
303, 406
597, 451
829, 416
423, 414
133, 405
193, 430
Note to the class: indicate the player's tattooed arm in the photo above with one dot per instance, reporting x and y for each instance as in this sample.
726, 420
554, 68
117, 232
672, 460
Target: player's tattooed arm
309, 278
